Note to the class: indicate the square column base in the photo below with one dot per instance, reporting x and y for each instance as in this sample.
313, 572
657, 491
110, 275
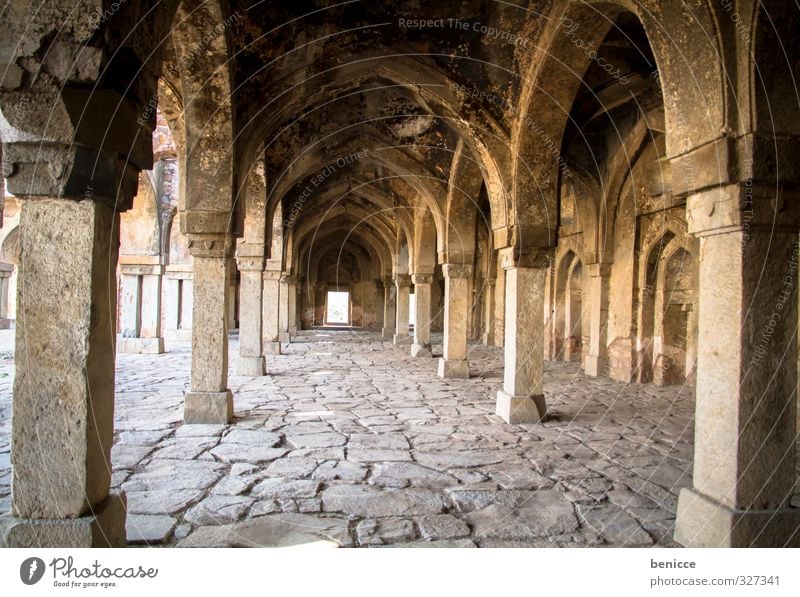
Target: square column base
387, 333
140, 345
520, 409
272, 348
454, 369
401, 339
702, 522
214, 408
178, 335
421, 350
251, 366
104, 527
285, 337
595, 366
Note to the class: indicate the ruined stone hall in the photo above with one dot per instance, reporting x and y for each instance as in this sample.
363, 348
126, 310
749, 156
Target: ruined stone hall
399, 273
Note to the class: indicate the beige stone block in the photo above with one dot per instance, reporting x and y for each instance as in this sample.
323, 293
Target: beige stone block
454, 369
251, 366
208, 408
520, 409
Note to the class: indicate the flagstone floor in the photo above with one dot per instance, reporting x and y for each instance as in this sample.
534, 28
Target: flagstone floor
351, 441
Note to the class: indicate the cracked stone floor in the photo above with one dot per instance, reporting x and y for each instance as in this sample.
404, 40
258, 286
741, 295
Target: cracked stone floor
350, 441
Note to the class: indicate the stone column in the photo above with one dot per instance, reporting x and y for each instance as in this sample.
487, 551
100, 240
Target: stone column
389, 315
596, 362
293, 310
284, 335
456, 319
522, 398
63, 408
402, 284
379, 304
499, 307
488, 315
250, 261
745, 410
422, 315
141, 308
209, 400
270, 317
6, 269
178, 303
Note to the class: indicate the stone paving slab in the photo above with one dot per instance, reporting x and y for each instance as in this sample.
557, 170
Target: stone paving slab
352, 442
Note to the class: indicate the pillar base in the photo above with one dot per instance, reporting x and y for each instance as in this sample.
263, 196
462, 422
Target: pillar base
401, 339
387, 333
251, 366
178, 335
454, 369
595, 366
702, 522
140, 345
272, 348
421, 350
104, 527
520, 409
285, 337
215, 408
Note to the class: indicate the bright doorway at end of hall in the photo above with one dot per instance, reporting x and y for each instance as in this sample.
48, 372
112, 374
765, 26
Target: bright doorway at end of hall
337, 310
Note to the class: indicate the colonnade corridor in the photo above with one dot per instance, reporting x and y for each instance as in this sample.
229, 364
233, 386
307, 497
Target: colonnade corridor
352, 441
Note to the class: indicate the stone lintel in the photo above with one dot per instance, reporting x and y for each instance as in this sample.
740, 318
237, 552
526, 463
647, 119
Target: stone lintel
103, 527
456, 270
520, 409
208, 408
702, 522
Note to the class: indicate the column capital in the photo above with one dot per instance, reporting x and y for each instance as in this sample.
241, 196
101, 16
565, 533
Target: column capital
539, 257
598, 270
271, 274
422, 278
402, 280
210, 245
250, 256
456, 270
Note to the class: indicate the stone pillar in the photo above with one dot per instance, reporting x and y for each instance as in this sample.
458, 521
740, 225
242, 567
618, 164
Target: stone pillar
456, 319
250, 261
270, 316
745, 409
141, 308
6, 269
63, 408
402, 284
596, 362
488, 314
284, 335
522, 398
178, 303
389, 315
209, 400
293, 310
379, 304
422, 315
499, 307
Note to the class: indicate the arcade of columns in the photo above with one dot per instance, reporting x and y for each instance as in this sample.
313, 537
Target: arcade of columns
645, 225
